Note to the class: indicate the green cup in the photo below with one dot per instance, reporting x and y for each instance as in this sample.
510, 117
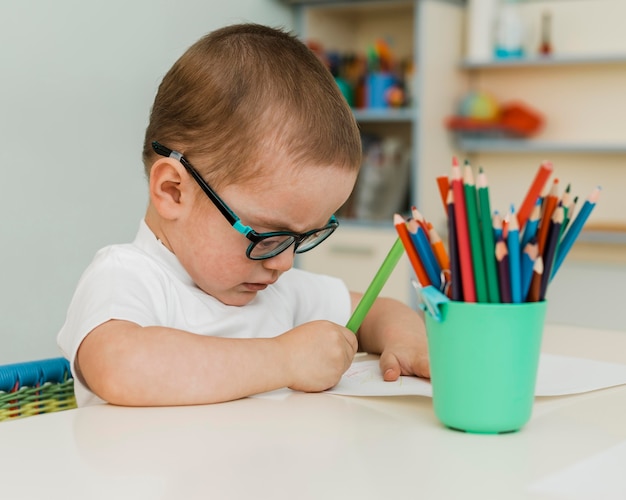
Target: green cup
483, 362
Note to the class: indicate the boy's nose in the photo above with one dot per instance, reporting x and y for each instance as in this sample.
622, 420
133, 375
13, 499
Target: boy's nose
281, 262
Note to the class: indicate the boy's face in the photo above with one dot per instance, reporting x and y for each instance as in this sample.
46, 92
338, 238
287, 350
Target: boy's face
214, 253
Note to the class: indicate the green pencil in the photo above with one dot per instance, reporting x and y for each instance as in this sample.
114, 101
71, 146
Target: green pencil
364, 305
487, 235
476, 243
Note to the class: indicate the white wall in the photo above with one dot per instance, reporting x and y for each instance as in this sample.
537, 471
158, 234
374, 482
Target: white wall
77, 82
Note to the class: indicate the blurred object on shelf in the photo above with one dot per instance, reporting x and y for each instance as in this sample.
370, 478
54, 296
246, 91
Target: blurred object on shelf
480, 115
479, 32
382, 187
479, 106
510, 31
377, 85
545, 47
371, 79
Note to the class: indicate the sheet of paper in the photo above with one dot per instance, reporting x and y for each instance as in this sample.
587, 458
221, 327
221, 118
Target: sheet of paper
600, 476
557, 376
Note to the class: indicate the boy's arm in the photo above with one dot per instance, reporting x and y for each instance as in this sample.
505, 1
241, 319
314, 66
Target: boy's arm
126, 364
396, 332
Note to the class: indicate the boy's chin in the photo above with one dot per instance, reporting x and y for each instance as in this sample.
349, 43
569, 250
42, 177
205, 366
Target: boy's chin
237, 299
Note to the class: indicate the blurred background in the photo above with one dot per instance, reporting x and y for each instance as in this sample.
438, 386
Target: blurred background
503, 84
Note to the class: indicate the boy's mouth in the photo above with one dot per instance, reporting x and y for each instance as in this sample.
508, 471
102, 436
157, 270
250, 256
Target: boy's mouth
256, 287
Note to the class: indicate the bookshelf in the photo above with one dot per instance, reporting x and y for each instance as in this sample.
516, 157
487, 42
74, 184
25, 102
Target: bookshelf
578, 88
366, 233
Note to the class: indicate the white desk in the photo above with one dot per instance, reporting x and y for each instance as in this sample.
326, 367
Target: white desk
314, 446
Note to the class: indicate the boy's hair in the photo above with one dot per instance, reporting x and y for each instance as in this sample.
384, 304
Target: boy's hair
242, 90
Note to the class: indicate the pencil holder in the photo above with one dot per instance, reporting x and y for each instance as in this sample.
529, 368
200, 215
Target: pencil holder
484, 359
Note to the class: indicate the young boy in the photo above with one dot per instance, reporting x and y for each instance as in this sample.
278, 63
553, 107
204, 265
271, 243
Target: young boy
249, 151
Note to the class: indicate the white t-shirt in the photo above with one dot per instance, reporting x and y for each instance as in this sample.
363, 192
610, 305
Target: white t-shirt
144, 282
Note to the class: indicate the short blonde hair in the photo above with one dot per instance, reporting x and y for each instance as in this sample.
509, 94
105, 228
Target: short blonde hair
243, 88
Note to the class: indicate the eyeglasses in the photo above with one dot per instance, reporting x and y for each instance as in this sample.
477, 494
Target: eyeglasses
263, 245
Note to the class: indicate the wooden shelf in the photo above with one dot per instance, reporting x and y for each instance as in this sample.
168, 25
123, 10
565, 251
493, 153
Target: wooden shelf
483, 145
399, 115
545, 61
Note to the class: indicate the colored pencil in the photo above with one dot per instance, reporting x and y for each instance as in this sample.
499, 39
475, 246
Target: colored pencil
439, 250
529, 255
476, 241
416, 263
549, 204
535, 190
570, 213
443, 182
486, 231
574, 230
462, 235
419, 218
566, 200
530, 230
496, 224
504, 277
425, 252
515, 269
456, 287
550, 250
535, 283
373, 290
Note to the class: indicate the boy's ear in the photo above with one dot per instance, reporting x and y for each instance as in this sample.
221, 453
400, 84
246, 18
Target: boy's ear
169, 190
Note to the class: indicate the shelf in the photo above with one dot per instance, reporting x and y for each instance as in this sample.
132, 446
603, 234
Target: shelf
606, 237
385, 115
545, 61
481, 145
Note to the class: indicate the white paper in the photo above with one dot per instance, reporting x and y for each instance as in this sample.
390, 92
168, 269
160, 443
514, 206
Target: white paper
557, 376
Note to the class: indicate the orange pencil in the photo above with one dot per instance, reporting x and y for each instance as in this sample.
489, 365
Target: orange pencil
444, 186
549, 204
439, 249
544, 172
409, 248
462, 234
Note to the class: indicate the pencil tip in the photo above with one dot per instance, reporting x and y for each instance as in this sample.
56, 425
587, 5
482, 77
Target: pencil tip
455, 162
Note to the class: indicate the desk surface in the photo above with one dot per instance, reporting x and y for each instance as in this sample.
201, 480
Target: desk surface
313, 446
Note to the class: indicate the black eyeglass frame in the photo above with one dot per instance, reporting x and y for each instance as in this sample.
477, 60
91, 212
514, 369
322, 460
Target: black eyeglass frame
235, 221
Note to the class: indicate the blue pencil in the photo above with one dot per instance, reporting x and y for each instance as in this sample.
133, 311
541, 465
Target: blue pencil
530, 230
497, 225
574, 230
512, 241
425, 252
529, 255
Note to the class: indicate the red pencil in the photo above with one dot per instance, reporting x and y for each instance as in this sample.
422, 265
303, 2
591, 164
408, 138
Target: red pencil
462, 234
544, 172
409, 248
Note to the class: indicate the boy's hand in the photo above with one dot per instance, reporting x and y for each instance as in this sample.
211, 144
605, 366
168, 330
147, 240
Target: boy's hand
400, 359
318, 354
398, 334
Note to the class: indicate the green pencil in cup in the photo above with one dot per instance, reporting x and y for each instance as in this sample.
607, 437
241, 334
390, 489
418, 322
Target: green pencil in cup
365, 304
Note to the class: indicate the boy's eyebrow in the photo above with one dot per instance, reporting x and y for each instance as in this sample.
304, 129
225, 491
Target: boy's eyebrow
279, 225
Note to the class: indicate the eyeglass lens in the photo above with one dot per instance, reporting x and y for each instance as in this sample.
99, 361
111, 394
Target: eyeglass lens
273, 245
